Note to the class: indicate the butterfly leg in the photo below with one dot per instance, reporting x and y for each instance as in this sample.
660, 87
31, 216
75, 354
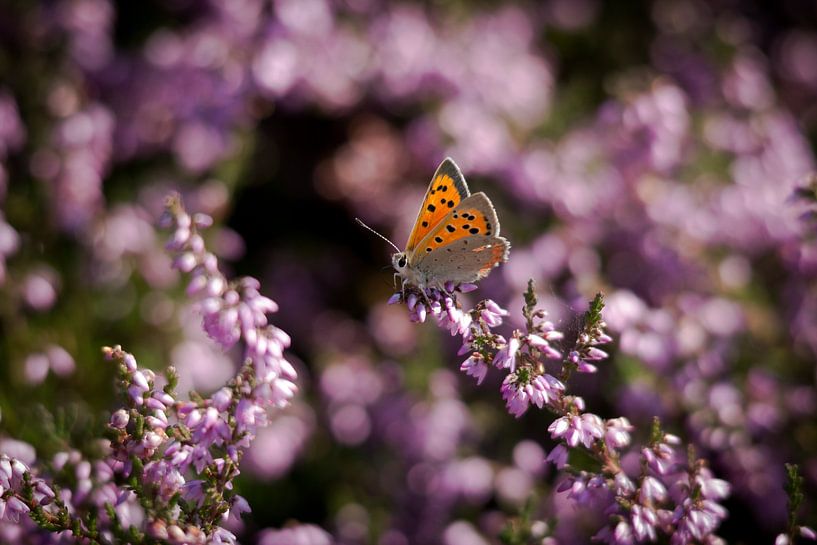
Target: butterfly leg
402, 286
422, 289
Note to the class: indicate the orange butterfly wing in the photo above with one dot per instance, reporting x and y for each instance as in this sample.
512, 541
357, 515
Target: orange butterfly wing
446, 190
474, 217
465, 260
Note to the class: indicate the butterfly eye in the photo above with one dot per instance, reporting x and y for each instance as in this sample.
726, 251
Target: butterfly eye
401, 262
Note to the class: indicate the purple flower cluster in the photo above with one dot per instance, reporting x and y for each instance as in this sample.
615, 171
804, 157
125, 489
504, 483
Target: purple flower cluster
441, 304
670, 496
233, 311
168, 465
671, 192
20, 491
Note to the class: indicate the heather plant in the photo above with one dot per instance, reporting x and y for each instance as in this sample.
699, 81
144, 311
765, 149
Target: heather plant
648, 152
166, 468
673, 494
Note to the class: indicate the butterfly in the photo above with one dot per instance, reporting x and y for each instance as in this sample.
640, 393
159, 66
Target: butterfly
455, 238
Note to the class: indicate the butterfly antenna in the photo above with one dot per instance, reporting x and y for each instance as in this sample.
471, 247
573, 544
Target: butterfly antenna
376, 233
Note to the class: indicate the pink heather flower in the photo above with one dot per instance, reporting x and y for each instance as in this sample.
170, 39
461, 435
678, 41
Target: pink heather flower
575, 429
710, 487
808, 533
506, 356
18, 469
221, 399
222, 537
623, 485
652, 490
157, 420
208, 428
558, 456
140, 381
539, 390
238, 507
582, 486
467, 342
617, 433
6, 473
419, 314
452, 318
156, 402
584, 367
492, 314
658, 464
167, 479
119, 419
476, 367
660, 457
43, 494
249, 415
623, 533
543, 344
547, 389
14, 508
516, 398
696, 519
596, 354
12, 472
644, 521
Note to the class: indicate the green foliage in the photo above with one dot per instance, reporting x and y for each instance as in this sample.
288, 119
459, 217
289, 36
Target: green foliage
794, 490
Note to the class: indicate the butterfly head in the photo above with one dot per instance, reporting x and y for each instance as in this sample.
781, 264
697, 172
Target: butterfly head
400, 262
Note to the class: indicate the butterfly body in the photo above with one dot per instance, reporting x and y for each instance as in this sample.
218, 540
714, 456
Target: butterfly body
455, 238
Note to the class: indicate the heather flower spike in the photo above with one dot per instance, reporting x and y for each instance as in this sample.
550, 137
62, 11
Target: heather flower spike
640, 507
170, 462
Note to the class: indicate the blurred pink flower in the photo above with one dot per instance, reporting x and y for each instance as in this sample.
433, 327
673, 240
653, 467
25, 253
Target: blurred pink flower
304, 534
40, 288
